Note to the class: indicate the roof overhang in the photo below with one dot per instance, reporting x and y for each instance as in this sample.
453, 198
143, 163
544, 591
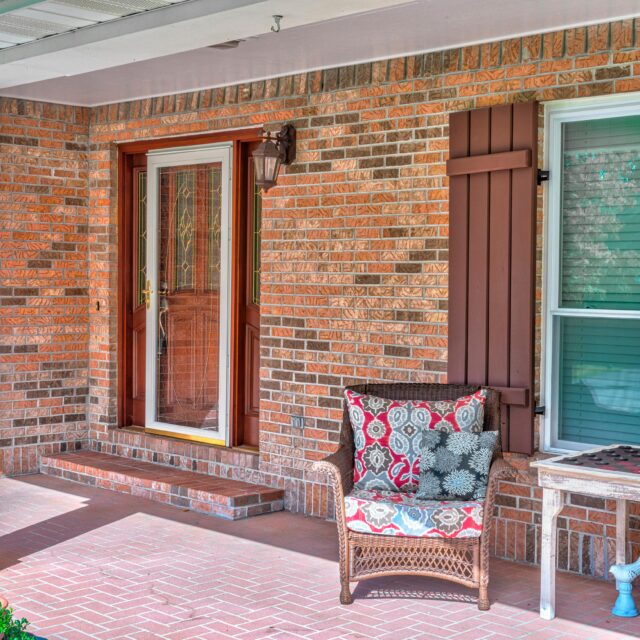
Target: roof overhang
168, 50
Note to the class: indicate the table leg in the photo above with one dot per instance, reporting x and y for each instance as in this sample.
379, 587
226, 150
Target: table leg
622, 519
552, 503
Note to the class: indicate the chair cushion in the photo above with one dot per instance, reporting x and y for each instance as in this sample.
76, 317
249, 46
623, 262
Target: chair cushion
387, 435
393, 513
455, 466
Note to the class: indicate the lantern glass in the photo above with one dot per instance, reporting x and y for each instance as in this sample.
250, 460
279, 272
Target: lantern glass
266, 160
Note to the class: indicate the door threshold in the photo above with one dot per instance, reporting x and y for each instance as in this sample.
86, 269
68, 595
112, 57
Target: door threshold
243, 448
247, 448
133, 427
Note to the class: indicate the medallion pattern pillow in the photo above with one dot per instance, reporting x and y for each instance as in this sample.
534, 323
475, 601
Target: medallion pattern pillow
455, 466
388, 435
464, 414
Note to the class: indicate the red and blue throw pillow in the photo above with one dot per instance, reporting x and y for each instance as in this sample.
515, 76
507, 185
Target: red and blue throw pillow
388, 435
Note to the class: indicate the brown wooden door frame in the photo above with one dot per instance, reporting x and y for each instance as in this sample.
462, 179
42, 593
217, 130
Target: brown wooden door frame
136, 315
128, 166
127, 153
243, 245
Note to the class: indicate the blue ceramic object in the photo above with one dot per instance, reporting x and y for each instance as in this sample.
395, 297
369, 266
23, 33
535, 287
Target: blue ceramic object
625, 607
625, 574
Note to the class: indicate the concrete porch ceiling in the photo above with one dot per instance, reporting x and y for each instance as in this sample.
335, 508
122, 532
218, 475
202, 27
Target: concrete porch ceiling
92, 52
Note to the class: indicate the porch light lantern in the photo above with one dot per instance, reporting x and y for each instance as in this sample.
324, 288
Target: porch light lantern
275, 149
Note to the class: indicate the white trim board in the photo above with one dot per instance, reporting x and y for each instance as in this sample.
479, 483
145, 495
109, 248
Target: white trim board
157, 160
555, 115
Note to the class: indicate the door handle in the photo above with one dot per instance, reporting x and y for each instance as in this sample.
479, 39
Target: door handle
147, 294
162, 339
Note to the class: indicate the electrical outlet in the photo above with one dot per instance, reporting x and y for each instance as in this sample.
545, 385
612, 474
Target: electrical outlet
297, 422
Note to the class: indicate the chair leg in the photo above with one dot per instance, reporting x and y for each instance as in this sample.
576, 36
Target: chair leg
481, 561
345, 591
483, 599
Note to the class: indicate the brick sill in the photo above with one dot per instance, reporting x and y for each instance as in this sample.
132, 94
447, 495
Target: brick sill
138, 430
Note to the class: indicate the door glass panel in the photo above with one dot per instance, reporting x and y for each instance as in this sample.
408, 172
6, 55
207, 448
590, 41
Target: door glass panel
189, 279
141, 248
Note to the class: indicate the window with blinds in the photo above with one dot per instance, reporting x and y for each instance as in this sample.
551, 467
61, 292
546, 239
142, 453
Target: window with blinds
593, 350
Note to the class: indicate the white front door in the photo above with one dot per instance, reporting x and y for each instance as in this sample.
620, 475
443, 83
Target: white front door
188, 267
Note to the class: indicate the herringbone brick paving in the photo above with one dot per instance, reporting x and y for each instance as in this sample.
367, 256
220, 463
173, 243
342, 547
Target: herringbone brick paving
87, 564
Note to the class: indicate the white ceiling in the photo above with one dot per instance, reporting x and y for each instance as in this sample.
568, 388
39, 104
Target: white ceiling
173, 56
165, 31
38, 19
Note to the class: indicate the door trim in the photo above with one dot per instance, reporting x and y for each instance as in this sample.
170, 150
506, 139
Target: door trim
243, 264
156, 160
126, 152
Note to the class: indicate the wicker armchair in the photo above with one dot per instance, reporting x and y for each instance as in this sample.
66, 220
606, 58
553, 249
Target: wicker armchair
366, 555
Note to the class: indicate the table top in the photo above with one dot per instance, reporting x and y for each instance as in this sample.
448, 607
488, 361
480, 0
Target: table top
618, 460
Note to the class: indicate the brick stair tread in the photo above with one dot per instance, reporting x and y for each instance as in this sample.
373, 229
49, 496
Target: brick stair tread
225, 491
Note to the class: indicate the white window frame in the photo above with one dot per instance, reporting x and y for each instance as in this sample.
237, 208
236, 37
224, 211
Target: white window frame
556, 114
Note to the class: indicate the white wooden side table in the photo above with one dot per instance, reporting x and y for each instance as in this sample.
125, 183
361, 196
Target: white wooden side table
595, 472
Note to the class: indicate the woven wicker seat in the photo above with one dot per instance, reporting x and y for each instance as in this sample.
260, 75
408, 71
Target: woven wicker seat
366, 555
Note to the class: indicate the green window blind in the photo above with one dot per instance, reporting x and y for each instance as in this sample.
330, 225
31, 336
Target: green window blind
598, 371
601, 214
599, 376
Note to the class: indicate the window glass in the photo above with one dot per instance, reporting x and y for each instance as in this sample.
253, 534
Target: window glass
600, 221
596, 325
599, 379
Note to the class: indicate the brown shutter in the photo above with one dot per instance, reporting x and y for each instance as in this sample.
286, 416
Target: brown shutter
492, 227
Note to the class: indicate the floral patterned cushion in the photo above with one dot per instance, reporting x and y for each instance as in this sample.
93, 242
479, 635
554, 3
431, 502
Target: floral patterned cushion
394, 513
455, 466
388, 435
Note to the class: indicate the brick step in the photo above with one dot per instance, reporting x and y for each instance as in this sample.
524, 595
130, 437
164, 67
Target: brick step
230, 499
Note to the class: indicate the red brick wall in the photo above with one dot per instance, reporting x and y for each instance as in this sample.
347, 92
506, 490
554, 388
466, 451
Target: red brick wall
43, 281
354, 247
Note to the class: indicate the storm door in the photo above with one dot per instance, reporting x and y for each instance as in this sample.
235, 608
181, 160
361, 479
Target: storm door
187, 293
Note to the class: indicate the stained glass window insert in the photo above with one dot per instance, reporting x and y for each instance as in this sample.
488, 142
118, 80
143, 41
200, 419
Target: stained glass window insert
185, 229
256, 245
141, 247
213, 226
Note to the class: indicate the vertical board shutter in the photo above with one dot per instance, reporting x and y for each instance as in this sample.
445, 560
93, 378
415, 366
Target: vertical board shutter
492, 229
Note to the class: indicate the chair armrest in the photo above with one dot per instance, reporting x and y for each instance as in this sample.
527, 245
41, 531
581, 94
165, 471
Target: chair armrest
339, 469
500, 470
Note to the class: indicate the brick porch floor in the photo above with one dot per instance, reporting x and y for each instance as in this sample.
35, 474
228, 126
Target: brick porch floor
84, 563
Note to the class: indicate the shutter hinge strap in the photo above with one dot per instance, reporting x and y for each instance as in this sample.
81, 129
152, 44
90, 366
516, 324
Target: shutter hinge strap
543, 176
